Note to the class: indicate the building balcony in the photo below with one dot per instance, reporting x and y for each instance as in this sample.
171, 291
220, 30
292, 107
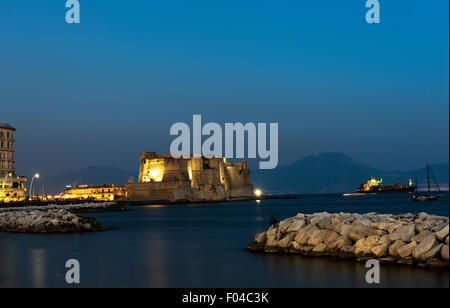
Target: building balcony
7, 149
6, 139
11, 179
8, 188
7, 171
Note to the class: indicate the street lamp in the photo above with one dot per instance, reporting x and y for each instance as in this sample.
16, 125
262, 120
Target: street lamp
32, 180
6, 177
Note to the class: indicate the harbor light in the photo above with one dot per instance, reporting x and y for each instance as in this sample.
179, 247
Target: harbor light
258, 192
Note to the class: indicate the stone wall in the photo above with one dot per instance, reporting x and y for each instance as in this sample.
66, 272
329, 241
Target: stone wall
240, 181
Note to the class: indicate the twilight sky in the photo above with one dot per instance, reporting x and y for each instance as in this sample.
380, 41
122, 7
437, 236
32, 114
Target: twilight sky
99, 92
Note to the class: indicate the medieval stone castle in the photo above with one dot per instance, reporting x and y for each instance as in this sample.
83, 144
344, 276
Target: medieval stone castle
162, 177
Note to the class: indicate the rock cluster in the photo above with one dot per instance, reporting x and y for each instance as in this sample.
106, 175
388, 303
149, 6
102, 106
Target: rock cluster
419, 239
50, 219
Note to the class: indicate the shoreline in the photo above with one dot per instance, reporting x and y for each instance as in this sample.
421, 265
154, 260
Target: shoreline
169, 202
24, 204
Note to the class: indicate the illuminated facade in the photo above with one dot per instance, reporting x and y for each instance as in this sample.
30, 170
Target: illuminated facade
12, 187
162, 177
104, 193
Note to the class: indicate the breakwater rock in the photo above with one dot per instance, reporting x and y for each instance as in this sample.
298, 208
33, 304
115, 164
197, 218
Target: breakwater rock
419, 239
51, 218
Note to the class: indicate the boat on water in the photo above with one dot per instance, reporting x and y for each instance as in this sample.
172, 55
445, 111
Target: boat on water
373, 186
428, 196
424, 197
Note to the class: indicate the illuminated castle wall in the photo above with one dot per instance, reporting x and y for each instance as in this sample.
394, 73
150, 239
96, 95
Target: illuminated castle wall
162, 177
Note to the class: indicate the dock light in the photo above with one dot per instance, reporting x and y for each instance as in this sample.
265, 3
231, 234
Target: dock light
258, 192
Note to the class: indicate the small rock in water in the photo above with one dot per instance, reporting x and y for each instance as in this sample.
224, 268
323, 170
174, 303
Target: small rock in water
404, 233
380, 250
442, 234
427, 243
393, 249
444, 252
432, 253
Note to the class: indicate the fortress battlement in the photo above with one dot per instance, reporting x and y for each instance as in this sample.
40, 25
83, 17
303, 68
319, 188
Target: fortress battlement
163, 177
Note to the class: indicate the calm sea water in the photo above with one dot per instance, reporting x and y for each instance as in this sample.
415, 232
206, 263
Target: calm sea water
203, 245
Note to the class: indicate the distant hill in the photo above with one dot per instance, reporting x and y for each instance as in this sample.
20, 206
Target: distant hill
90, 176
333, 173
323, 173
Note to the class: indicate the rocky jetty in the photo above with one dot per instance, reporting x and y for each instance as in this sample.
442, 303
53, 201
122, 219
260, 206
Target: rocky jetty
52, 218
419, 239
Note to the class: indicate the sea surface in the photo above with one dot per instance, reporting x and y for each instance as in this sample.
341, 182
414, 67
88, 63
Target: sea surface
203, 245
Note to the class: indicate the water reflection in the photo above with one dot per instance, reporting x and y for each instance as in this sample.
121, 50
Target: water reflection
154, 256
199, 245
329, 272
8, 263
38, 267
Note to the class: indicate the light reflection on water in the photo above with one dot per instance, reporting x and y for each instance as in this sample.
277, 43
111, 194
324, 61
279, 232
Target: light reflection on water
38, 263
201, 245
155, 205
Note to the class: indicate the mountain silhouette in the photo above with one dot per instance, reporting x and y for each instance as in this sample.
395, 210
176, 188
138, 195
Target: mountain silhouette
322, 173
334, 173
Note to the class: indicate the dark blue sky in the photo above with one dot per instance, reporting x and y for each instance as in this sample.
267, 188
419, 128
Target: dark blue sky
99, 92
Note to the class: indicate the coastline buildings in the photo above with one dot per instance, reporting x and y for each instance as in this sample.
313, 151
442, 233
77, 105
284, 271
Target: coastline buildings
12, 187
162, 177
103, 192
